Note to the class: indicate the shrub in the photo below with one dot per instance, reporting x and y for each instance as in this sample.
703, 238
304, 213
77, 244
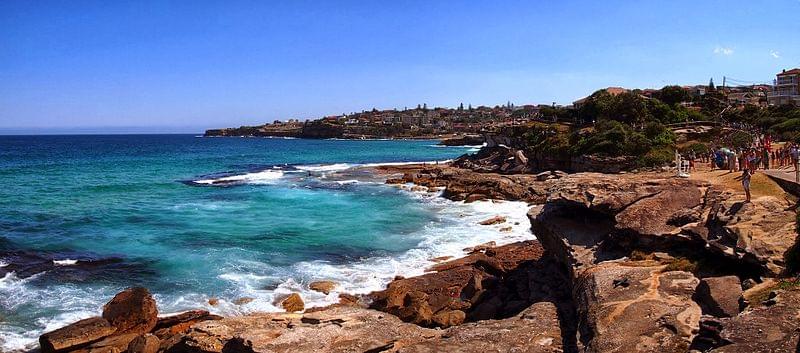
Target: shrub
681, 264
657, 157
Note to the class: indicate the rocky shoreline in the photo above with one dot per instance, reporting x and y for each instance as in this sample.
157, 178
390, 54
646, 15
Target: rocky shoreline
638, 262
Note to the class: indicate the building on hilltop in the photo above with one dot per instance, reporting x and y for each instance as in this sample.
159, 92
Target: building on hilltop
787, 88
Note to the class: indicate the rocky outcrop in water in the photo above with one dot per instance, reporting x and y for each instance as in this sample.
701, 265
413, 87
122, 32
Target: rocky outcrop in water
464, 185
624, 263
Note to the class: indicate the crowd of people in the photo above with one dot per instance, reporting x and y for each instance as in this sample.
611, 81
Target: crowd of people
760, 155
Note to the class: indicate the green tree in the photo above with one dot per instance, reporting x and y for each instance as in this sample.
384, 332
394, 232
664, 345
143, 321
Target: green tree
672, 95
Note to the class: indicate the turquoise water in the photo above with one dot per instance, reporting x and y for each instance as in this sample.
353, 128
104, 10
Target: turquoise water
194, 218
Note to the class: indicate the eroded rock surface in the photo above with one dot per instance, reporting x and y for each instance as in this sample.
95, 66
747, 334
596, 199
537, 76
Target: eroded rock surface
336, 329
774, 328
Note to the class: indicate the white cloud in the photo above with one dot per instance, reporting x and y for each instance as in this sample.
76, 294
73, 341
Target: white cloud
775, 54
723, 50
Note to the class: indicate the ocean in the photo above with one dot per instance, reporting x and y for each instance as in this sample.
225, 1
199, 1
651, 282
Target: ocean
190, 218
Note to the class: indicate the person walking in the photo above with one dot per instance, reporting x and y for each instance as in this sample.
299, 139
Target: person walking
746, 174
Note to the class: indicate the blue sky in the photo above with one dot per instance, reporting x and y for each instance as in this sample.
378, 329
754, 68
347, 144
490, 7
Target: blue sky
186, 66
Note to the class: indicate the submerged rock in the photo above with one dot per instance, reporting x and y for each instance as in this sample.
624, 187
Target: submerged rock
324, 287
293, 303
492, 221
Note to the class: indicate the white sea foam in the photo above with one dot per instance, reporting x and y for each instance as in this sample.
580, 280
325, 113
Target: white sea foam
459, 146
325, 167
262, 177
65, 262
455, 229
3, 264
73, 302
373, 165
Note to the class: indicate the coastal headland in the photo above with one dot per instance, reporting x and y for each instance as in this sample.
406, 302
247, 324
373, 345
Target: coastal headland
626, 262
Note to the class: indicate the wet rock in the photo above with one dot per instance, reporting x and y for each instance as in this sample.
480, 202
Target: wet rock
436, 259
506, 229
213, 301
493, 220
293, 303
465, 185
132, 311
720, 296
475, 197
144, 344
324, 287
243, 300
481, 247
460, 285
76, 334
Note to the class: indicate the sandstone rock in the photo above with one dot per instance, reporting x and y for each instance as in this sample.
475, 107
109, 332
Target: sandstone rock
144, 344
213, 301
481, 247
243, 300
651, 312
774, 328
132, 311
438, 259
76, 334
720, 296
175, 324
493, 220
458, 285
113, 344
293, 303
506, 229
535, 330
474, 197
332, 330
465, 185
324, 287
447, 318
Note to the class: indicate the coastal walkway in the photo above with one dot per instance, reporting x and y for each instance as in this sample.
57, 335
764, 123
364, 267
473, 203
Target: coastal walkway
786, 178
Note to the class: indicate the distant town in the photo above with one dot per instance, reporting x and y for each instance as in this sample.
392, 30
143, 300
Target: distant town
425, 122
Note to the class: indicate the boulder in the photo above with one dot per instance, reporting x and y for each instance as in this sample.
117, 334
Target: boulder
293, 303
720, 296
144, 344
535, 330
243, 300
630, 307
493, 220
447, 318
76, 335
132, 311
324, 287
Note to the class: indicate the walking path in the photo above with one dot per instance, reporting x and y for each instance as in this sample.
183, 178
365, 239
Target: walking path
786, 177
